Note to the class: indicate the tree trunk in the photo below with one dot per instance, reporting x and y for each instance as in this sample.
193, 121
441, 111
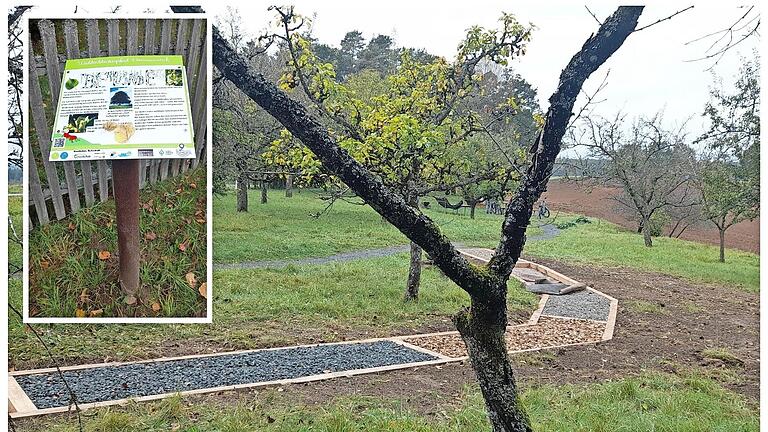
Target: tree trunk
722, 244
483, 331
414, 269
414, 274
288, 186
647, 233
472, 205
242, 192
263, 191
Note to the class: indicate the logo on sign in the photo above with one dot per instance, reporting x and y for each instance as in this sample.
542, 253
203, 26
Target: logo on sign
146, 152
64, 155
120, 154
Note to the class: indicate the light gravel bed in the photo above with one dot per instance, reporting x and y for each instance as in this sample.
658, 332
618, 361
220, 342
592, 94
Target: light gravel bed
582, 305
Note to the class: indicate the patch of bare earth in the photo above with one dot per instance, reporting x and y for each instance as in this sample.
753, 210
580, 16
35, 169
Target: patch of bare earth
693, 318
597, 202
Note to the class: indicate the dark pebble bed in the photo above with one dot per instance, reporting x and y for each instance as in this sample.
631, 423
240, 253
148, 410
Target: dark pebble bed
581, 304
143, 379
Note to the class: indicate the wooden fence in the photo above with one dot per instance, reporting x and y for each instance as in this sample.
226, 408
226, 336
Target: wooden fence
57, 189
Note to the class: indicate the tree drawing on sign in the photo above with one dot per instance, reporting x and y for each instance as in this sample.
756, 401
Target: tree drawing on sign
120, 99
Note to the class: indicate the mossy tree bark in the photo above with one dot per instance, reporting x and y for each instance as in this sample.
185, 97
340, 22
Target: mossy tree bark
483, 325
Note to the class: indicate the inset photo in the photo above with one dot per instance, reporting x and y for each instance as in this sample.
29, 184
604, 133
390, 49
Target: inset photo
116, 197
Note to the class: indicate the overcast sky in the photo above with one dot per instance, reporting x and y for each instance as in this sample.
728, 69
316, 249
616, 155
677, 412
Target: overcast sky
649, 73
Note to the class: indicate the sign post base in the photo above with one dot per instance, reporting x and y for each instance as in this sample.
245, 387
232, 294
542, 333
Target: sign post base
125, 175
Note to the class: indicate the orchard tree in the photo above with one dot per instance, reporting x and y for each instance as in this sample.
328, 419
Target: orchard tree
243, 131
404, 127
654, 166
730, 176
482, 325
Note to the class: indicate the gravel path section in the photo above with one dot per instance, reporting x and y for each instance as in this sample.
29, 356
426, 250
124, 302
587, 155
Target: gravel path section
581, 304
346, 256
549, 332
134, 380
548, 231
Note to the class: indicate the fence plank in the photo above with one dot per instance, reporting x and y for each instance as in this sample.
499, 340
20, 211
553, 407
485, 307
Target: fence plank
36, 191
113, 47
48, 35
181, 42
44, 141
132, 48
151, 48
94, 50
193, 58
201, 108
72, 43
165, 48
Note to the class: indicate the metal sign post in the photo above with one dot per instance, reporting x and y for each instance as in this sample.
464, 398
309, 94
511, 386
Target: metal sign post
125, 175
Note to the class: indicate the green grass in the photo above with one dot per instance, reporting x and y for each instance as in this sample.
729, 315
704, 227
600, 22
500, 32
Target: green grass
724, 355
14, 188
643, 306
649, 402
604, 243
15, 251
284, 229
69, 273
269, 307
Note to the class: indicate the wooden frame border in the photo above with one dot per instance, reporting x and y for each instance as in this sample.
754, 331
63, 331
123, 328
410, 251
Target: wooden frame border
20, 405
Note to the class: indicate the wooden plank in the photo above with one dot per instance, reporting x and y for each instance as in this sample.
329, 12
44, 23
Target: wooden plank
48, 35
18, 401
73, 52
165, 48
181, 43
201, 106
44, 142
191, 61
132, 48
36, 191
113, 47
194, 51
94, 50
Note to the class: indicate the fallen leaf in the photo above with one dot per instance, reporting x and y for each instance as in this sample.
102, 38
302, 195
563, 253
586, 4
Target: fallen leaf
44, 264
79, 313
179, 190
191, 279
200, 220
84, 295
155, 306
183, 246
104, 255
204, 289
150, 235
97, 312
193, 185
71, 226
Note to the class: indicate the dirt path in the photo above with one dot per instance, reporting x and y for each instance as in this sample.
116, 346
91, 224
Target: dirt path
567, 197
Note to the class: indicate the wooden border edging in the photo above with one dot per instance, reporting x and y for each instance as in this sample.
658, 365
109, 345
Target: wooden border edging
20, 405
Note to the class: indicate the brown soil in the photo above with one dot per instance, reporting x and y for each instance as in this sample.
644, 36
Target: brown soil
692, 318
571, 198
